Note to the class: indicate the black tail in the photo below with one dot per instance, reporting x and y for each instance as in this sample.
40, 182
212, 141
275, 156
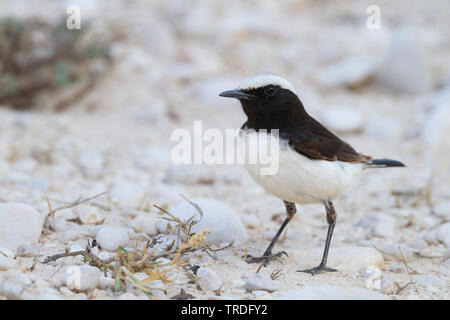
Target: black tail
383, 163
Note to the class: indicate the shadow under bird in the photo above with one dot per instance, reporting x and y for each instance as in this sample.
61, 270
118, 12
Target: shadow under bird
315, 166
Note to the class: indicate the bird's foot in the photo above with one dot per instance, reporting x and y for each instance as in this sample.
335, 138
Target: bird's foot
265, 258
318, 269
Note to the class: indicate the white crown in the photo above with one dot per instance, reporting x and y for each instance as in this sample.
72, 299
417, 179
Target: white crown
261, 80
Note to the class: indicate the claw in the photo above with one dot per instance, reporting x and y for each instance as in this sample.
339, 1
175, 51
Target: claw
318, 269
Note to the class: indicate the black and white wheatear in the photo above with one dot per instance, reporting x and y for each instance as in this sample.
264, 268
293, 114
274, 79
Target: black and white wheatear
315, 166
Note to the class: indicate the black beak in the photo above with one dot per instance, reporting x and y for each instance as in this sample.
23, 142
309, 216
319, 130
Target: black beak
238, 94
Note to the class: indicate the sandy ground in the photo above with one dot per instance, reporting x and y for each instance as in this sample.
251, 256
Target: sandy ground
175, 61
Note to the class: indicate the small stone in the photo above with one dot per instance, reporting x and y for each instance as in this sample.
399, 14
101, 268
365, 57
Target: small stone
11, 290
91, 162
145, 224
433, 252
405, 69
443, 234
250, 221
390, 285
89, 214
222, 222
128, 296
237, 283
384, 229
126, 194
6, 253
81, 278
343, 119
328, 292
443, 209
261, 295
399, 252
429, 280
20, 224
106, 283
110, 238
351, 72
417, 244
397, 268
68, 235
208, 279
75, 248
7, 263
261, 282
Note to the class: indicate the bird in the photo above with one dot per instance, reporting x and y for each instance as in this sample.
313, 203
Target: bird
315, 166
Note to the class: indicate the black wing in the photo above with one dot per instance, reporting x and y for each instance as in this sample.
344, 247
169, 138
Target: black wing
313, 140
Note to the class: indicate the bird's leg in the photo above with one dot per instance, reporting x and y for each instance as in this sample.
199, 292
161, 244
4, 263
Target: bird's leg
331, 219
267, 256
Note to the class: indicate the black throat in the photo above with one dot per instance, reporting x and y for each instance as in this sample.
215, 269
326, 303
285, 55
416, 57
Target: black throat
281, 113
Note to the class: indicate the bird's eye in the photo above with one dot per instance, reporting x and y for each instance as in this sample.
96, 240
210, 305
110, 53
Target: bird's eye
270, 91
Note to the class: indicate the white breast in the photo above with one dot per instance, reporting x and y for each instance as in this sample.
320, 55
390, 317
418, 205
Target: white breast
300, 179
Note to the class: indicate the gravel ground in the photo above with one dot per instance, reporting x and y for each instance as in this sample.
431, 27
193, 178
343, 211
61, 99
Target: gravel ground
384, 91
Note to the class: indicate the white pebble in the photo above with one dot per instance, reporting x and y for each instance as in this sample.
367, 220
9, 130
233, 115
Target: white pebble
261, 282
389, 285
443, 234
208, 279
11, 290
328, 292
20, 224
110, 238
126, 194
261, 295
399, 252
343, 119
7, 263
91, 162
145, 224
81, 278
6, 252
384, 229
89, 214
222, 222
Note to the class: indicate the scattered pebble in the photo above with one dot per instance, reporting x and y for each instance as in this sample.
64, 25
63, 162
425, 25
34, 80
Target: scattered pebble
222, 222
20, 224
208, 279
328, 292
91, 162
144, 223
343, 119
404, 68
126, 194
81, 278
7, 263
389, 285
262, 295
429, 280
6, 252
89, 214
352, 71
398, 252
110, 238
443, 234
128, 296
261, 282
11, 290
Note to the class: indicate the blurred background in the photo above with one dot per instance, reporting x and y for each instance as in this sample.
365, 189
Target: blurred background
377, 74
92, 109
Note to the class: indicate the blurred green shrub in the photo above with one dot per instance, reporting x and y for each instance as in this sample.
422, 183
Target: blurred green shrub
37, 57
